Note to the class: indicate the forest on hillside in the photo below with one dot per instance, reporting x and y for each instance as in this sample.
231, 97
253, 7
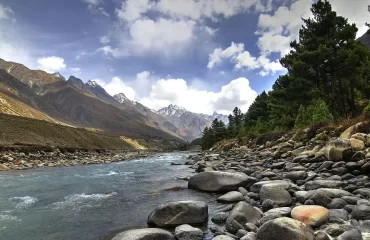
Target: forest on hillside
327, 79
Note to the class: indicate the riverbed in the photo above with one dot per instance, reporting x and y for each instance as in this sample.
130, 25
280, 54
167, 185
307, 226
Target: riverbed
90, 202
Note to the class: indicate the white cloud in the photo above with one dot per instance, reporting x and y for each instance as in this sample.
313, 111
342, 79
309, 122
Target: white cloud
95, 8
104, 40
176, 91
204, 9
243, 59
115, 86
51, 64
5, 12
356, 12
75, 69
219, 54
168, 26
92, 2
162, 35
280, 28
132, 10
107, 50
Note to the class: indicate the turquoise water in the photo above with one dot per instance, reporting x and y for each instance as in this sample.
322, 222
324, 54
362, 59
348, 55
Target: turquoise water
89, 202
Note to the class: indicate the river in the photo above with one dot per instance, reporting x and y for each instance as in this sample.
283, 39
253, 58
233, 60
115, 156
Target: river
89, 202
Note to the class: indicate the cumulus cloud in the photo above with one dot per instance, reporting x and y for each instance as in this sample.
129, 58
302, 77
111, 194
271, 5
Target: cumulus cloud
278, 29
161, 35
132, 10
75, 69
51, 64
5, 12
115, 86
176, 91
104, 39
204, 9
170, 26
356, 12
243, 59
95, 8
219, 54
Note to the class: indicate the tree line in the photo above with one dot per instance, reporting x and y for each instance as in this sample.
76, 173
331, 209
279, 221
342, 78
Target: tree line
328, 76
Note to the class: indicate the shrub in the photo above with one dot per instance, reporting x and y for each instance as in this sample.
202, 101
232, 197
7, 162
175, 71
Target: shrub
317, 112
366, 111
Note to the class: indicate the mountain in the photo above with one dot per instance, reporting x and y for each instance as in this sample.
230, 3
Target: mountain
221, 117
365, 39
191, 123
172, 111
45, 96
121, 98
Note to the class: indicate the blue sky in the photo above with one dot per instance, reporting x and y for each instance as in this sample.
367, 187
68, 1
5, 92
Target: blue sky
205, 55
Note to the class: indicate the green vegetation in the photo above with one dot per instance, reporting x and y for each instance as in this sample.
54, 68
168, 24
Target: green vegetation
315, 113
328, 76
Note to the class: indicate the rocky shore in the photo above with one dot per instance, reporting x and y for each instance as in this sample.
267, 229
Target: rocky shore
19, 160
293, 188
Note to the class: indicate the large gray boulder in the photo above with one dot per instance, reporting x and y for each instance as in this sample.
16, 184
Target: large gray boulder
353, 234
220, 181
284, 228
241, 214
338, 150
277, 194
295, 176
144, 234
178, 213
361, 212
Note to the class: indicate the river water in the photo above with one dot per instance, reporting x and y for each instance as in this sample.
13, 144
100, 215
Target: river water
89, 202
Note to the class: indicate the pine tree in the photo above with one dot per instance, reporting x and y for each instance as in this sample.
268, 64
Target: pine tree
327, 61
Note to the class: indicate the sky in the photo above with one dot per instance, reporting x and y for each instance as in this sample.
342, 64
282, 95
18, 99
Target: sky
205, 55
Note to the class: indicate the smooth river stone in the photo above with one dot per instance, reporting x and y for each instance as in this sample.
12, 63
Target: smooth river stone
311, 214
145, 234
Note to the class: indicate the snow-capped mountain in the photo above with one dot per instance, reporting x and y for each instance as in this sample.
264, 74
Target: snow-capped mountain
192, 124
221, 117
121, 98
59, 75
178, 111
172, 111
93, 84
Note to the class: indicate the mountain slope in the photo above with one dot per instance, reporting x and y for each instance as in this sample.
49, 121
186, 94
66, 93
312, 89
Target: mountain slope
20, 130
152, 118
365, 39
70, 104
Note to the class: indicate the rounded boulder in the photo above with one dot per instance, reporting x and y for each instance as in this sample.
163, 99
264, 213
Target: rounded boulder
178, 213
220, 181
311, 214
284, 228
145, 234
187, 232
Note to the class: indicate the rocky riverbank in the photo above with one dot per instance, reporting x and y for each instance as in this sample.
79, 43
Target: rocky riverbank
18, 160
295, 188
